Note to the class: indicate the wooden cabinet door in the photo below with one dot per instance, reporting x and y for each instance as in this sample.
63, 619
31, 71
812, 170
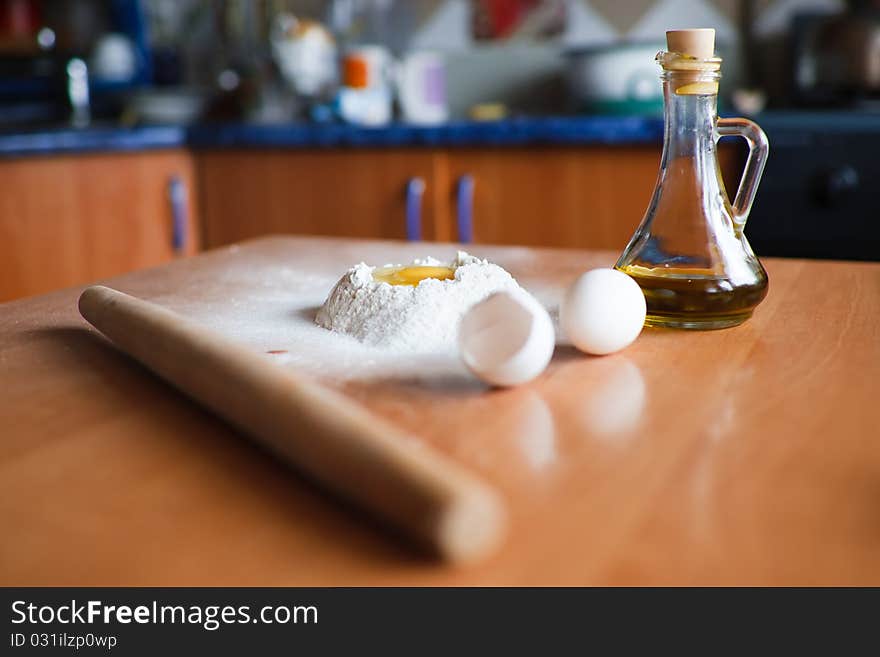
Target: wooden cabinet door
586, 197
68, 220
341, 192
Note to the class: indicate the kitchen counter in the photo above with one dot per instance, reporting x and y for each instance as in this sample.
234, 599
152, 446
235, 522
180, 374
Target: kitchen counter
514, 132
744, 456
560, 130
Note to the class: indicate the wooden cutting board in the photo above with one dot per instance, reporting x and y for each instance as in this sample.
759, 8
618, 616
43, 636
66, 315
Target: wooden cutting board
740, 456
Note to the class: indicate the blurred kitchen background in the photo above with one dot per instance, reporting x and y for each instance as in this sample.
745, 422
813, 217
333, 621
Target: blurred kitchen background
156, 61
136, 131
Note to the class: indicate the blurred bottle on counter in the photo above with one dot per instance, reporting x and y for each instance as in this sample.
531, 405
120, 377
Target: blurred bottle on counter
365, 97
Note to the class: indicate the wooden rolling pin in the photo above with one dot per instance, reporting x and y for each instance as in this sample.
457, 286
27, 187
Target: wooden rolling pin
415, 489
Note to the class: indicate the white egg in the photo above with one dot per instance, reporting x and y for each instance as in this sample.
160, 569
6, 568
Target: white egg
506, 339
603, 311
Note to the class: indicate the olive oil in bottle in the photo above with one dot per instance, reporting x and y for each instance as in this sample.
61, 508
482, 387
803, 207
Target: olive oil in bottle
696, 299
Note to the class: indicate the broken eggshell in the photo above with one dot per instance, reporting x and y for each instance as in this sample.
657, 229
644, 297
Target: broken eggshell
506, 339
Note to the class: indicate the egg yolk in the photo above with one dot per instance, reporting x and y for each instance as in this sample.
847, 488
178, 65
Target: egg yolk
412, 275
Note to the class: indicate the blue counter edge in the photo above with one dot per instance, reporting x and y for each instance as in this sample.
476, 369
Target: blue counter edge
571, 131
513, 132
90, 140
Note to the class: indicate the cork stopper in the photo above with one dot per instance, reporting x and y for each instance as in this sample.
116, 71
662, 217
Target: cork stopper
698, 43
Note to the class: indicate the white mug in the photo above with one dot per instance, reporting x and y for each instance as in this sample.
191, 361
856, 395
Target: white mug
421, 88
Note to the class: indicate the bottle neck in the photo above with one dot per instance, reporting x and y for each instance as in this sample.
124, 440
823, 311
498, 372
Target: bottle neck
689, 120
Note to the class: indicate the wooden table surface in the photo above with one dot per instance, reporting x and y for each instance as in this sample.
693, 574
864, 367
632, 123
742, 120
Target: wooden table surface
744, 456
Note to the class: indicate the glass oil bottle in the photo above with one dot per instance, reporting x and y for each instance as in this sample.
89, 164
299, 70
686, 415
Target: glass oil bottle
689, 255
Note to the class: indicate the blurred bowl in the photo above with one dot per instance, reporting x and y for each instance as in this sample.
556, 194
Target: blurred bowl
617, 79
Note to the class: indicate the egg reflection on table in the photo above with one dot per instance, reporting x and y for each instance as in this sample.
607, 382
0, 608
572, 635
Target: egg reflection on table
533, 431
615, 405
602, 400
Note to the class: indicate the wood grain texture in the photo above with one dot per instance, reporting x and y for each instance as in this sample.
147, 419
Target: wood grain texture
575, 197
354, 193
591, 197
69, 220
564, 196
743, 456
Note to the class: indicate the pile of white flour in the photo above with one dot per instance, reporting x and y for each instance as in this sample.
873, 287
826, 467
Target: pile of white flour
420, 318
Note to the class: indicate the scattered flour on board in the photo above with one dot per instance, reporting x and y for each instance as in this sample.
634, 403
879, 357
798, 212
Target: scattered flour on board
273, 310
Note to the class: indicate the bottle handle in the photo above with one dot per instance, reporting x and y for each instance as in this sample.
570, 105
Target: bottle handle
759, 148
